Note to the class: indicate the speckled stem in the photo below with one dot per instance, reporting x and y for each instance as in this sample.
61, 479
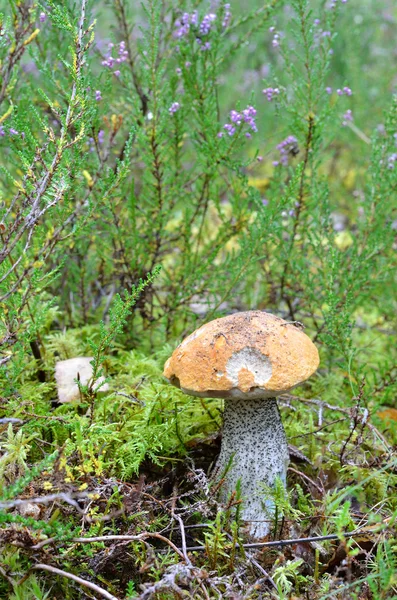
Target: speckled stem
254, 434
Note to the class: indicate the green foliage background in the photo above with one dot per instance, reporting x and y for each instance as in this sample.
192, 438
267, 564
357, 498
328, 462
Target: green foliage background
125, 225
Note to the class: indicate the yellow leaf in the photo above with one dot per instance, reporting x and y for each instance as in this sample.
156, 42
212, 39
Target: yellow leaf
343, 240
260, 183
31, 37
89, 179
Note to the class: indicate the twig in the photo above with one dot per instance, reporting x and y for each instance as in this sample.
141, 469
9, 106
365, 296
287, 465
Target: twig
181, 526
46, 500
345, 411
304, 476
262, 570
275, 543
143, 536
95, 588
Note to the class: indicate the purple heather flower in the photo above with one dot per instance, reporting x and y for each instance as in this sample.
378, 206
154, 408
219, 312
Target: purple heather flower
270, 93
188, 64
13, 131
226, 16
110, 61
194, 18
317, 21
347, 117
265, 201
207, 46
178, 71
220, 134
249, 115
326, 33
328, 90
271, 29
391, 160
230, 128
42, 17
347, 91
117, 72
339, 92
259, 158
248, 135
235, 117
238, 118
205, 25
101, 136
175, 106
98, 95
275, 41
2, 132
286, 148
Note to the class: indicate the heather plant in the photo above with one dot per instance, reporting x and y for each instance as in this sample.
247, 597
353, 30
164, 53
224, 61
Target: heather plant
161, 165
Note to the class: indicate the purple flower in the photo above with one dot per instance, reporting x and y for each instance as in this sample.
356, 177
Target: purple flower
188, 64
175, 106
317, 21
391, 160
42, 17
235, 117
110, 61
271, 29
270, 93
206, 46
265, 201
13, 131
328, 90
205, 25
347, 117
178, 71
326, 34
2, 132
247, 116
220, 134
259, 158
347, 91
288, 147
230, 129
101, 136
117, 72
98, 95
275, 42
226, 16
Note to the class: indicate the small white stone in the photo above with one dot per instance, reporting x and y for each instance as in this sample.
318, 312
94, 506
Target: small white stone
66, 371
29, 510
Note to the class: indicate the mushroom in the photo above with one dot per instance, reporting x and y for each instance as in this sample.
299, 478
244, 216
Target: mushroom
248, 359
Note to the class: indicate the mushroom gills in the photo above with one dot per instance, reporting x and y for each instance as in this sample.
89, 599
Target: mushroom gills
254, 438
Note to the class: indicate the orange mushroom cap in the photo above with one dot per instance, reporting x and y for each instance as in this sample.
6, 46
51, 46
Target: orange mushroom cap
250, 354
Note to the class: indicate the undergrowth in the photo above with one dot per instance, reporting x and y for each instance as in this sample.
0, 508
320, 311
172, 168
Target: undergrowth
163, 165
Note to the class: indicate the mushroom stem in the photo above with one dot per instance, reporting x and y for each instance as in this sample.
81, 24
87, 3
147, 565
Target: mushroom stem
254, 437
